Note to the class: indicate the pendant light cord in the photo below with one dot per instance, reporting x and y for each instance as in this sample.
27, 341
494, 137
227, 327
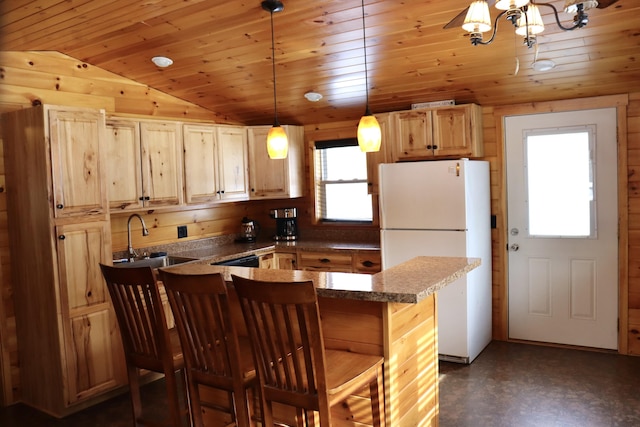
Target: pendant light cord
366, 74
273, 63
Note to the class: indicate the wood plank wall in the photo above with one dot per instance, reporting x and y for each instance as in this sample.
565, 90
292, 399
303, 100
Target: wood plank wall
56, 79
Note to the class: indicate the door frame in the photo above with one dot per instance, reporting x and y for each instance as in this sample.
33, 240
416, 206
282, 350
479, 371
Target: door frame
620, 102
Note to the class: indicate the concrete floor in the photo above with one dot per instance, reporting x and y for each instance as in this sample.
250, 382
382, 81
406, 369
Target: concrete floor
508, 385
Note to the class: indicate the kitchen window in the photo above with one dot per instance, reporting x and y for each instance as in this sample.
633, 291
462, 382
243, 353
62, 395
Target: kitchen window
341, 182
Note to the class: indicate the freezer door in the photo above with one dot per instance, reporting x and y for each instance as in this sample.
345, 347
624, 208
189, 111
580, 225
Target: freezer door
399, 246
423, 195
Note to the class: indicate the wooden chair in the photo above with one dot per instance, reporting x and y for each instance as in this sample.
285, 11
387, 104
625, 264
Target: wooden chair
214, 354
147, 341
294, 368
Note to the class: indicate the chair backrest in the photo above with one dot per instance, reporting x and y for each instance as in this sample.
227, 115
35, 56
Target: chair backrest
200, 306
284, 324
138, 306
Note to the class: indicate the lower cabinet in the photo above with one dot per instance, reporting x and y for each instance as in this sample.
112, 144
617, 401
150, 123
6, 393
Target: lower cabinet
348, 261
337, 260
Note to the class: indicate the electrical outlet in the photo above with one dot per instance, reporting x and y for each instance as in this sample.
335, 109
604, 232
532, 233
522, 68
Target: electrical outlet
182, 231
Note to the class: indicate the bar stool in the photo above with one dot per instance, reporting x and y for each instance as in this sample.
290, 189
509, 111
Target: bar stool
214, 354
293, 366
148, 342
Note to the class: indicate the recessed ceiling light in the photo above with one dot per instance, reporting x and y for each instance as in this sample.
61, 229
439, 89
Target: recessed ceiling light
543, 65
162, 61
313, 96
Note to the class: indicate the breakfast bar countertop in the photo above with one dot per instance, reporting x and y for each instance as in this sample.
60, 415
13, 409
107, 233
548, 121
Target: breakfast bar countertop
409, 282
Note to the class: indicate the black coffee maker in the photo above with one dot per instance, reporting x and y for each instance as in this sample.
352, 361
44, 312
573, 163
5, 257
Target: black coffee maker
286, 223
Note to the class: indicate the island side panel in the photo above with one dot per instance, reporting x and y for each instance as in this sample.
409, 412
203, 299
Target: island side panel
411, 364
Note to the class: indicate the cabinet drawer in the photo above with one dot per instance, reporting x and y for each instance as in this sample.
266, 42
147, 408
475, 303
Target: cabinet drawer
325, 261
367, 262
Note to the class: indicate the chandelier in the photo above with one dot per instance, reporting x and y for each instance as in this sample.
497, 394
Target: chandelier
525, 17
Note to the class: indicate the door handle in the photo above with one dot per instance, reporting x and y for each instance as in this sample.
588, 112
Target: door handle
514, 247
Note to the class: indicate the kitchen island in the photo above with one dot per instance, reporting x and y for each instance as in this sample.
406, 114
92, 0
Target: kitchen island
391, 313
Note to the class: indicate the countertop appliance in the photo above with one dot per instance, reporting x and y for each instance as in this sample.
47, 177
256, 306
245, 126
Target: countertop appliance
286, 223
248, 230
442, 208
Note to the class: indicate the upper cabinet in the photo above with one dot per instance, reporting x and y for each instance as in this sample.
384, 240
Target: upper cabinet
77, 167
384, 155
280, 178
145, 164
215, 163
447, 132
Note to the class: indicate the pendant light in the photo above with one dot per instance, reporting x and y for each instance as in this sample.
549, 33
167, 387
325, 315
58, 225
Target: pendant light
277, 143
369, 135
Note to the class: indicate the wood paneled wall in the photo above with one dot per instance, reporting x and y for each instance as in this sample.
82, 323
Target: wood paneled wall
56, 79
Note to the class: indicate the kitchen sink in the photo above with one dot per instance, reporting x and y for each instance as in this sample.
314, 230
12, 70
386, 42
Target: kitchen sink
157, 262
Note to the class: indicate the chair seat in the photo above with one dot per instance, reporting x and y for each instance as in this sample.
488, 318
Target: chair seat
349, 371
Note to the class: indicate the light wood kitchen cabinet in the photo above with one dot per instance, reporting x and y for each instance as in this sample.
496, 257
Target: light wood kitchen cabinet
325, 261
369, 262
69, 344
279, 260
76, 164
385, 155
276, 178
215, 163
445, 132
144, 164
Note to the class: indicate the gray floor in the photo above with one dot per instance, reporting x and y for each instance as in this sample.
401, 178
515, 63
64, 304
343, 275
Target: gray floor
512, 384
508, 385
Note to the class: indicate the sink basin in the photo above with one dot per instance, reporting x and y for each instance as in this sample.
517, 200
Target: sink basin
163, 261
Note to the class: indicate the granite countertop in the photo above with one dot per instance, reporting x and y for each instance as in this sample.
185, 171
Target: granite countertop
409, 282
217, 253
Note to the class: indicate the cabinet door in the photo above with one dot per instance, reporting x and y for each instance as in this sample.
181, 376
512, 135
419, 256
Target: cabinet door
92, 351
413, 133
285, 261
452, 132
232, 163
161, 149
200, 164
77, 164
457, 131
385, 155
276, 178
124, 183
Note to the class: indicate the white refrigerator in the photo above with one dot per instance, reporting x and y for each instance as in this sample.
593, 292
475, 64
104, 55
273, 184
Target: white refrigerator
442, 208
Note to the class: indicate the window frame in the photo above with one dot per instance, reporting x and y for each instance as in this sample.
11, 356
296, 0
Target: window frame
317, 184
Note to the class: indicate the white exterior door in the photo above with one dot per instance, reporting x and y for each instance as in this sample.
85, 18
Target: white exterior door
562, 227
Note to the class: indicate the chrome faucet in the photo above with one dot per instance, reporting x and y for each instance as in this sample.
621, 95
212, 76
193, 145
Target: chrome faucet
145, 232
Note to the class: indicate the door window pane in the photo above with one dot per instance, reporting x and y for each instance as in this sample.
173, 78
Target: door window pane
559, 175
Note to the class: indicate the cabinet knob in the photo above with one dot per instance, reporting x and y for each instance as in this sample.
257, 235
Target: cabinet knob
435, 147
429, 147
61, 237
141, 198
60, 206
147, 198
325, 260
367, 263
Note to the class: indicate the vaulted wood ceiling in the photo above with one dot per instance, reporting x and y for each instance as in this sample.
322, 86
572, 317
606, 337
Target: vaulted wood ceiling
222, 53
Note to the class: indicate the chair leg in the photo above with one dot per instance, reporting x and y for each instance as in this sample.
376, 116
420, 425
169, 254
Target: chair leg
175, 413
194, 403
241, 404
376, 389
134, 392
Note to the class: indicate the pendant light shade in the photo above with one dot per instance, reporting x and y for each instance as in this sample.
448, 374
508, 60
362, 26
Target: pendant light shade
277, 142
478, 19
369, 134
530, 22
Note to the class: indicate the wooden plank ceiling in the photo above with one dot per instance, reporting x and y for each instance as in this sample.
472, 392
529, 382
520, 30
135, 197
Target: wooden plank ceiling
222, 53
